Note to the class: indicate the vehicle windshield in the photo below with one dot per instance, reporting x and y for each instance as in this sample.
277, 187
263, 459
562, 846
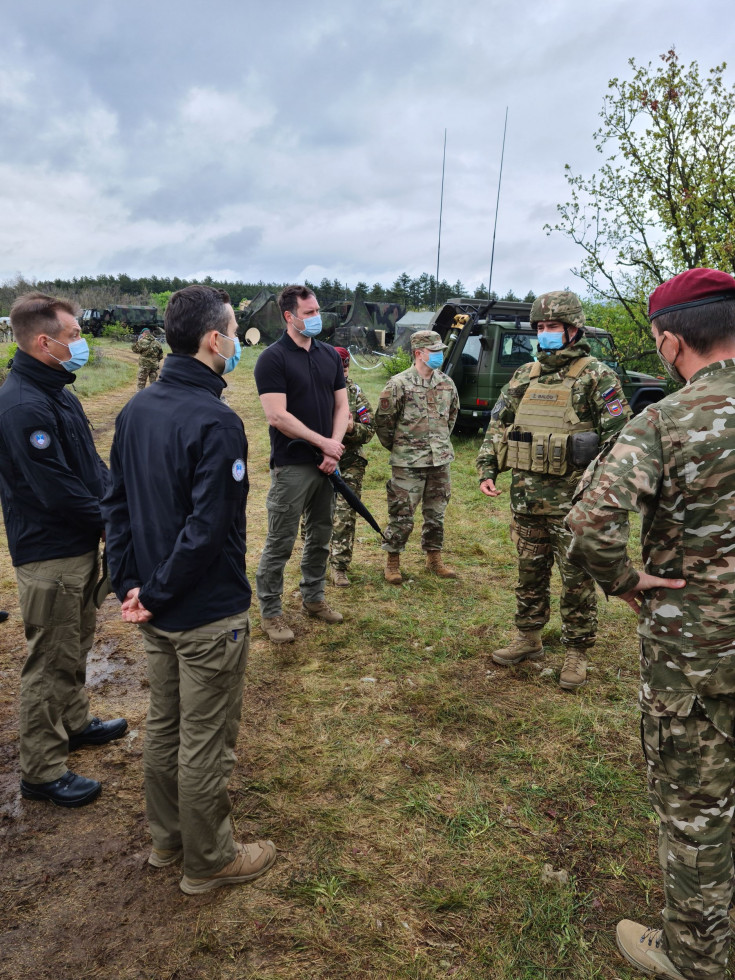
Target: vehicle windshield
517, 348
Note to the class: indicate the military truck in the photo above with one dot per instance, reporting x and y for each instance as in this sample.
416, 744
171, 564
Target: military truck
486, 342
133, 317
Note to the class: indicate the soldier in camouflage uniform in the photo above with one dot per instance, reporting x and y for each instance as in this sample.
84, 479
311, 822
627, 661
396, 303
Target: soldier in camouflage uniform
546, 426
151, 353
352, 463
674, 464
418, 409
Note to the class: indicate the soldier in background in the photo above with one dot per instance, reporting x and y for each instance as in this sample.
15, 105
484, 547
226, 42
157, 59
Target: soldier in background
547, 425
352, 463
151, 352
674, 465
418, 409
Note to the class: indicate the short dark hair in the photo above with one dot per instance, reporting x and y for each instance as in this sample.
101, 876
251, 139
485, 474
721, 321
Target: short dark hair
191, 313
700, 327
288, 299
35, 313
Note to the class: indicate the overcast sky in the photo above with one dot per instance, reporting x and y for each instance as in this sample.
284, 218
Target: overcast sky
284, 140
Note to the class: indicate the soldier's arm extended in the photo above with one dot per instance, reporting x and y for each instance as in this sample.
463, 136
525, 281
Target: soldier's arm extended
502, 415
363, 428
626, 478
390, 405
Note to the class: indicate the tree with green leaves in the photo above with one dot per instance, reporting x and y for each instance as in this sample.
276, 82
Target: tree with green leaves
664, 198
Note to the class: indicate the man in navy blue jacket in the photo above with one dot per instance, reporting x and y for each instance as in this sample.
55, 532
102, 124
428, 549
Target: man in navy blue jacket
51, 482
175, 518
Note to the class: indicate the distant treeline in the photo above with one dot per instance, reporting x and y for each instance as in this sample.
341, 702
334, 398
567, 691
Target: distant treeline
101, 291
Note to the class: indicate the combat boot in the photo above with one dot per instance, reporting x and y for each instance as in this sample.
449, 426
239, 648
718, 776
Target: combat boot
321, 610
525, 646
435, 564
339, 578
644, 949
277, 629
393, 568
574, 672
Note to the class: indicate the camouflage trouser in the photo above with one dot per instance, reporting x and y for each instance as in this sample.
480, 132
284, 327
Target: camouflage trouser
691, 774
343, 533
408, 487
539, 541
146, 372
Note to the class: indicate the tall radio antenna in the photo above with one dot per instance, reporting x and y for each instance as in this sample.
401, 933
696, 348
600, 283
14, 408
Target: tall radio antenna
497, 205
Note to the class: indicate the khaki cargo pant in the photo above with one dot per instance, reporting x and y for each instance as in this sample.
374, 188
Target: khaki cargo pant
691, 785
196, 682
295, 490
59, 617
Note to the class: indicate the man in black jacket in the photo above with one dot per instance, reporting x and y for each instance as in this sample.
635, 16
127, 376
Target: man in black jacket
51, 482
175, 518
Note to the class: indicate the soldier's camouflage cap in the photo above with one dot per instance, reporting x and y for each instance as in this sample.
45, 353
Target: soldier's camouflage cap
426, 339
694, 287
561, 305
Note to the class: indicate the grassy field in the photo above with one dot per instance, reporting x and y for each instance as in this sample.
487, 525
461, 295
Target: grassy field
416, 792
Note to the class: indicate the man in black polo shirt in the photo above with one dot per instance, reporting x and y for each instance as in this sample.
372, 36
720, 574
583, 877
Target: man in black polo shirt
302, 390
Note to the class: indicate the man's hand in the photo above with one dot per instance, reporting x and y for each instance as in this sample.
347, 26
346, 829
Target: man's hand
328, 464
350, 424
489, 489
646, 582
331, 447
133, 610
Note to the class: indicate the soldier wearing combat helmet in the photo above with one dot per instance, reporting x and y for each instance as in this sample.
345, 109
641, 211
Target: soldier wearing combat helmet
673, 464
550, 421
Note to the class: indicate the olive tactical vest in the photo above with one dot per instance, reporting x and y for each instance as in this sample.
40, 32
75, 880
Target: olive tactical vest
539, 438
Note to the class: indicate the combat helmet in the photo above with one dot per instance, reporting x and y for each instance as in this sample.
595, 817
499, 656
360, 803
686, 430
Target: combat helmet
561, 305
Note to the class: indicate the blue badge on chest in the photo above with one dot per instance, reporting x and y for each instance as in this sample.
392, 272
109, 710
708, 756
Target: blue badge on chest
40, 439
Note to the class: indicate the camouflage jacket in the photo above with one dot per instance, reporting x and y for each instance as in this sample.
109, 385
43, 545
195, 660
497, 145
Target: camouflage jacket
543, 493
416, 417
364, 430
149, 349
673, 464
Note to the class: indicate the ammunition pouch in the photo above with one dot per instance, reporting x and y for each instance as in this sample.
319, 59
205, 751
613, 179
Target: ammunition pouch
584, 446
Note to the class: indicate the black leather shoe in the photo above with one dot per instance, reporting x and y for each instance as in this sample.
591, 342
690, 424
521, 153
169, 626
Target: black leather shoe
68, 790
3, 616
98, 733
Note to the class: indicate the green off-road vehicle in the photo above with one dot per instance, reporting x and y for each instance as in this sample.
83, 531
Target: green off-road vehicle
486, 342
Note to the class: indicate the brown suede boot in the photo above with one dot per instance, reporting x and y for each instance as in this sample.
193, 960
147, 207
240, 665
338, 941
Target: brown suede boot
393, 569
435, 564
524, 646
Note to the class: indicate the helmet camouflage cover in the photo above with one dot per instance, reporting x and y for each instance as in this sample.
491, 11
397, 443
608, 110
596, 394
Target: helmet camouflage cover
561, 305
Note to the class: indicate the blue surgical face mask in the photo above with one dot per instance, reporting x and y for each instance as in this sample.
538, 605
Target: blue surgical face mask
312, 325
231, 362
551, 340
79, 350
435, 359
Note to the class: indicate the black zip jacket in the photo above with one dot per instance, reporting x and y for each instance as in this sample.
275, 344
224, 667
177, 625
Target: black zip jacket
175, 513
51, 478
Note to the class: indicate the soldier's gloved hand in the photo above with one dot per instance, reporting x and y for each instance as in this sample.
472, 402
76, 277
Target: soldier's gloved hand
489, 489
645, 582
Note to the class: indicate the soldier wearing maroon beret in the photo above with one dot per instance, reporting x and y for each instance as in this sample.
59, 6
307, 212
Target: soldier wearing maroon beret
675, 464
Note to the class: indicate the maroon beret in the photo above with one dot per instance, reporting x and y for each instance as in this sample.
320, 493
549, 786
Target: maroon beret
344, 355
695, 287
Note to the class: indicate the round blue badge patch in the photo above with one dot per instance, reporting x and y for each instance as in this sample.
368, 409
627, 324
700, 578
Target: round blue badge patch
238, 470
40, 439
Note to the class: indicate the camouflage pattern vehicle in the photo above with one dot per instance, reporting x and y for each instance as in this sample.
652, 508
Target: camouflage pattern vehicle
486, 342
344, 324
132, 317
